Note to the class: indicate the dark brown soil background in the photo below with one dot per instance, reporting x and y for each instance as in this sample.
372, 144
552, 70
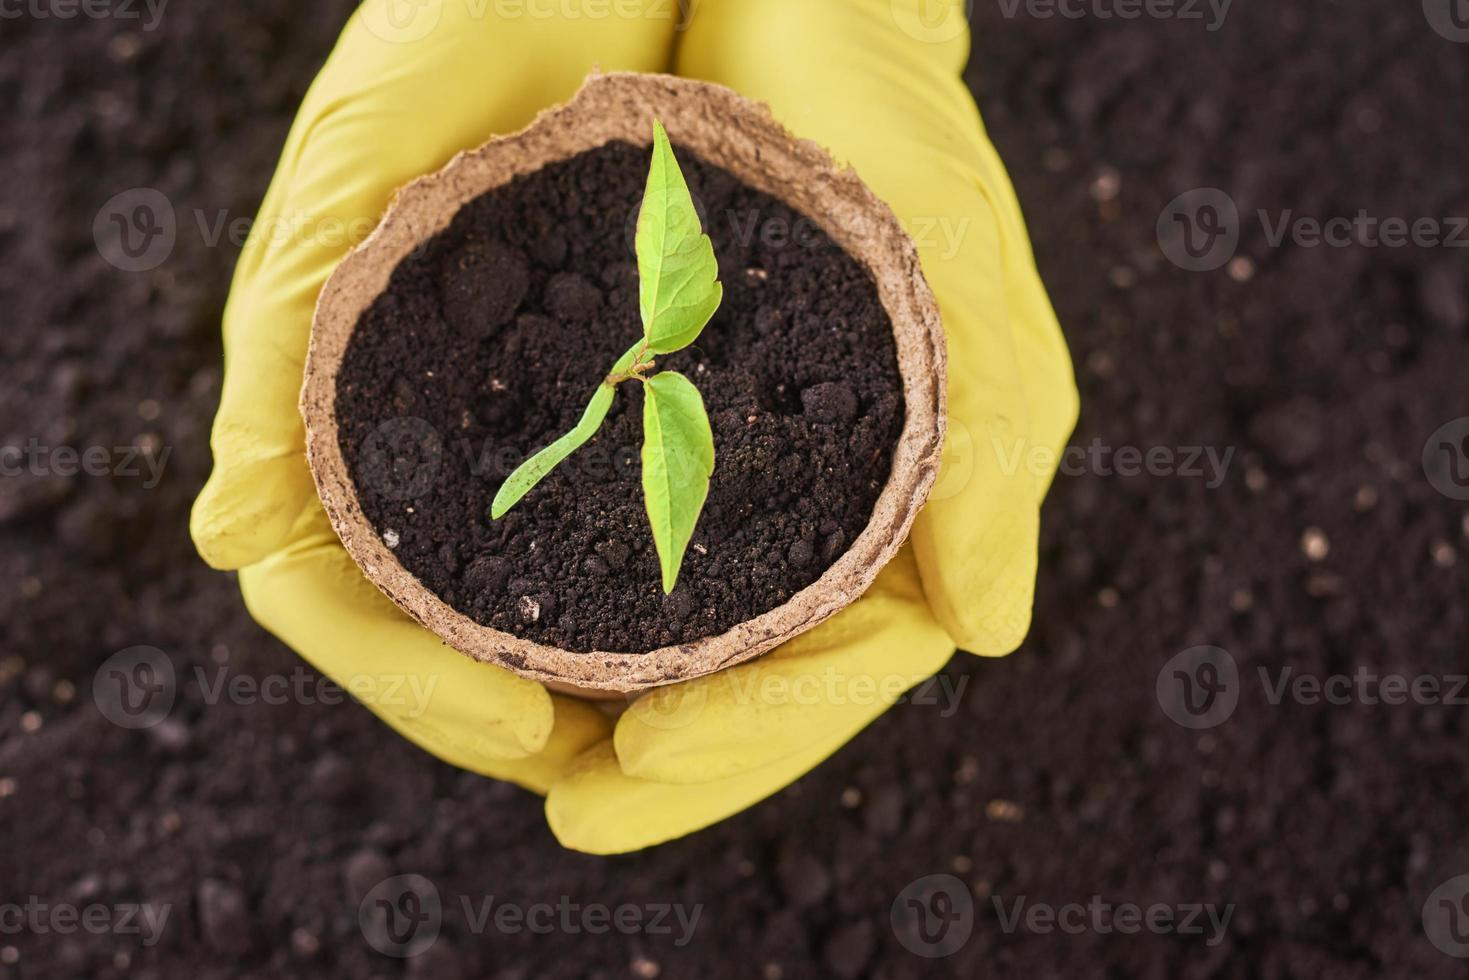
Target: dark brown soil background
1058, 778
493, 336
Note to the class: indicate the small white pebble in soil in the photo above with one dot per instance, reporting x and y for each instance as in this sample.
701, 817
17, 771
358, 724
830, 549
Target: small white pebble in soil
305, 943
30, 722
1314, 544
646, 968
1444, 555
530, 609
1107, 185
851, 797
496, 384
757, 273
1123, 276
125, 47
1004, 811
63, 691
390, 538
1241, 269
7, 787
701, 549
1366, 498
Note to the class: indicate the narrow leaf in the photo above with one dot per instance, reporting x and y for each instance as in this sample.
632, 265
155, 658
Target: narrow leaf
678, 458
535, 469
678, 289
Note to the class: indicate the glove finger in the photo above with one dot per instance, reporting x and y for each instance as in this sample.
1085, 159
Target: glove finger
577, 727
598, 809
836, 678
314, 598
877, 82
408, 86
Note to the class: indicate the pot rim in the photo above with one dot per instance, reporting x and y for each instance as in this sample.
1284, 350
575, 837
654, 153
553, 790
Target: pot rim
744, 138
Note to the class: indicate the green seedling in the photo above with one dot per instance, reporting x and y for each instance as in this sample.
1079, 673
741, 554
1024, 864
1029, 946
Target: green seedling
678, 292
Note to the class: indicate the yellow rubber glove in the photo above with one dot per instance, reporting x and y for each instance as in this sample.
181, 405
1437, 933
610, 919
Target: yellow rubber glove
876, 81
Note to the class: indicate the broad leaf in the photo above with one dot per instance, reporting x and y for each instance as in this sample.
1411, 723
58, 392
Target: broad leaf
535, 469
678, 289
678, 458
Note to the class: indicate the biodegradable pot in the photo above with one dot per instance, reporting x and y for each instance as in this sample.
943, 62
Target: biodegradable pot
745, 139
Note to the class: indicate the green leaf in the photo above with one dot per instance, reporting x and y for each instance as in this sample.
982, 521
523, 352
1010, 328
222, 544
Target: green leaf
678, 458
678, 289
535, 469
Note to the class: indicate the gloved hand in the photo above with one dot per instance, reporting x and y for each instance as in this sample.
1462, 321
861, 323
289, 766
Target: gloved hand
877, 83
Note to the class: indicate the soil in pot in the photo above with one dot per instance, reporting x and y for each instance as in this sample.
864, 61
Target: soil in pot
491, 337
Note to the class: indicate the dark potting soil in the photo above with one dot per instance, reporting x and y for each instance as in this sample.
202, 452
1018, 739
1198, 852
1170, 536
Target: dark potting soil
488, 343
1050, 775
